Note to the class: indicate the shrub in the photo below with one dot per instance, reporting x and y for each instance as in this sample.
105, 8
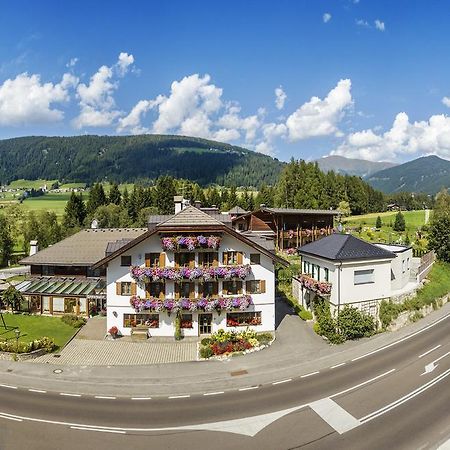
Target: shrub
205, 341
206, 352
12, 346
389, 311
178, 336
399, 223
305, 314
378, 223
354, 324
264, 338
73, 320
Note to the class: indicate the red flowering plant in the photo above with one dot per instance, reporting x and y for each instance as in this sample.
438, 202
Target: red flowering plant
319, 287
113, 331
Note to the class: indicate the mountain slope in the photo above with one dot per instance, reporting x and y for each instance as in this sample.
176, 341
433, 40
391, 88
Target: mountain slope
130, 158
358, 167
428, 174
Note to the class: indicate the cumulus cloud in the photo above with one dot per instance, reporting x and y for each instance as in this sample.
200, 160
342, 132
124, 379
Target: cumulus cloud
72, 62
319, 117
430, 136
379, 25
96, 100
26, 100
326, 17
280, 97
446, 101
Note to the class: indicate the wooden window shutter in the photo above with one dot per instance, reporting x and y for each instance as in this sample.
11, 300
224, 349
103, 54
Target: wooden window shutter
225, 258
118, 288
224, 288
248, 287
215, 288
239, 287
177, 260
262, 286
240, 258
191, 290
162, 260
177, 290
147, 260
162, 292
147, 291
133, 289
215, 259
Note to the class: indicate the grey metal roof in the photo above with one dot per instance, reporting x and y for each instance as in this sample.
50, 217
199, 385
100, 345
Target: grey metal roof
83, 248
268, 244
344, 247
111, 247
191, 216
237, 210
331, 212
62, 286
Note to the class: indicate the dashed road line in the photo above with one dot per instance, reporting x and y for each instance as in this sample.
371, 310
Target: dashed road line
100, 430
65, 394
214, 393
281, 381
141, 398
179, 396
7, 386
37, 391
104, 397
429, 351
250, 388
309, 374
337, 365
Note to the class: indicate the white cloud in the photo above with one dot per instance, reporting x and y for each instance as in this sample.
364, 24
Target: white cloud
97, 105
430, 136
326, 17
280, 97
320, 117
132, 122
446, 101
26, 100
379, 25
72, 62
362, 23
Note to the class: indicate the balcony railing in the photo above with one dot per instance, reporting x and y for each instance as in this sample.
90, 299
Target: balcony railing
202, 273
319, 287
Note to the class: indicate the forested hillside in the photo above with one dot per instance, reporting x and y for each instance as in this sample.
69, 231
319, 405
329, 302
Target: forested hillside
134, 158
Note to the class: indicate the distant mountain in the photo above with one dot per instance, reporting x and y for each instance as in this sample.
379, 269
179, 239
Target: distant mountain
428, 174
349, 166
131, 158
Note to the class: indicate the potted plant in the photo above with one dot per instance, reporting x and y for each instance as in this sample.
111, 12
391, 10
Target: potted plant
114, 332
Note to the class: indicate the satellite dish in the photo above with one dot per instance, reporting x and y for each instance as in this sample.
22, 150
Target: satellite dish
94, 224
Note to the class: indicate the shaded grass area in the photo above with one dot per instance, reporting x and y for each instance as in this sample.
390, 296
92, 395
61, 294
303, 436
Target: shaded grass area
35, 327
437, 287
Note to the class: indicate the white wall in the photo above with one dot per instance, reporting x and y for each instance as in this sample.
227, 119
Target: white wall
402, 269
118, 305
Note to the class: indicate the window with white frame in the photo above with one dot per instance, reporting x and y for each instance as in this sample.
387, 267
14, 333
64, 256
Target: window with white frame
365, 276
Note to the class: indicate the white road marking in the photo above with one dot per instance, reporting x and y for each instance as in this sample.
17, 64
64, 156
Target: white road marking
403, 339
37, 390
338, 365
444, 446
98, 429
141, 398
104, 397
10, 418
69, 395
214, 393
248, 388
334, 415
309, 374
179, 396
282, 381
405, 398
429, 351
8, 386
430, 367
362, 384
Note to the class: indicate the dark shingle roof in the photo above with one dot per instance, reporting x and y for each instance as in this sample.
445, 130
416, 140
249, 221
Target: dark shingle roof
344, 247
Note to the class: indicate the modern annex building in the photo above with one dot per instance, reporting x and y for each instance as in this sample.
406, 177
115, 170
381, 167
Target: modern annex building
191, 264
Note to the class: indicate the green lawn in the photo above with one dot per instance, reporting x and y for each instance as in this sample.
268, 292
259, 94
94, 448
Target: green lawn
48, 202
29, 184
35, 327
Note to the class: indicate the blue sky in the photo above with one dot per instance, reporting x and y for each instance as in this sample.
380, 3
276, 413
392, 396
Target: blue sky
363, 78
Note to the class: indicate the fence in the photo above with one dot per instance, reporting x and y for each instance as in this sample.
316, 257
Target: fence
426, 262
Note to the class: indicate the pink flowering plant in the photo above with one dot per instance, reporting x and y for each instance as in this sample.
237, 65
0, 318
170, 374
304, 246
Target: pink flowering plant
155, 274
190, 242
241, 302
320, 287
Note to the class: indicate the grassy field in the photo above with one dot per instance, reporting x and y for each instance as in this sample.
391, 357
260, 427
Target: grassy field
364, 227
35, 327
29, 184
48, 202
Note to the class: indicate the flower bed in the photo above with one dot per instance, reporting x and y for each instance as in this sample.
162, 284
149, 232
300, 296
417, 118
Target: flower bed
320, 287
226, 342
190, 242
241, 302
155, 274
12, 346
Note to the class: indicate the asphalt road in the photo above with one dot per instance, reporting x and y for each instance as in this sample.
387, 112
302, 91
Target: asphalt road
386, 400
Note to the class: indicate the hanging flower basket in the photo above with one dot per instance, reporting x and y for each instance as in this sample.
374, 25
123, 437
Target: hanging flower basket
190, 242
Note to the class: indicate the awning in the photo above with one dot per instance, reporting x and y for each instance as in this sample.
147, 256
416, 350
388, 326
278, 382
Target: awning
73, 287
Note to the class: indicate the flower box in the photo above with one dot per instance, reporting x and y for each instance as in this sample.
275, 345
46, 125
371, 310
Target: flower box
190, 243
320, 287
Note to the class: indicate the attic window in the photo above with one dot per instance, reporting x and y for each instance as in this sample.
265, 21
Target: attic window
125, 261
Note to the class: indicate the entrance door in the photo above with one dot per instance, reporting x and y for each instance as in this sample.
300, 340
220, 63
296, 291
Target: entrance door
204, 323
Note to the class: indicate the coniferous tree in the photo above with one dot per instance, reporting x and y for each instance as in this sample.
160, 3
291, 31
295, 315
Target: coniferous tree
399, 223
114, 194
74, 212
378, 223
165, 191
6, 241
96, 198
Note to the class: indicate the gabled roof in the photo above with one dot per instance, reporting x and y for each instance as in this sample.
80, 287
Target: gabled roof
83, 248
190, 216
331, 212
193, 220
344, 247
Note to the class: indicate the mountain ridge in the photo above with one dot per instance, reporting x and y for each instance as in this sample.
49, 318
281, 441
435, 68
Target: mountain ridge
352, 166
